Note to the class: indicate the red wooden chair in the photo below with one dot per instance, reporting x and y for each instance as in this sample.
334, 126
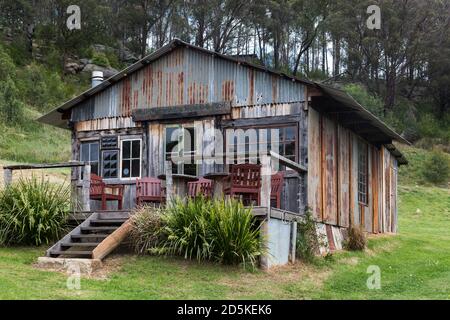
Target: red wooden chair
149, 189
105, 192
244, 180
277, 183
201, 187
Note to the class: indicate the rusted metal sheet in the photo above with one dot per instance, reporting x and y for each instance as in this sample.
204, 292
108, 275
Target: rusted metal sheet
344, 176
387, 190
375, 189
330, 237
333, 174
314, 164
186, 76
330, 170
355, 209
156, 149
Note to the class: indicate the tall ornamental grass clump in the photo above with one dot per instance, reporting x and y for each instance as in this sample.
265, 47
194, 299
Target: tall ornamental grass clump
33, 212
147, 228
221, 231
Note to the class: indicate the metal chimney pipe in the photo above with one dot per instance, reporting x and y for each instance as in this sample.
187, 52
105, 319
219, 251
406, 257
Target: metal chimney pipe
97, 78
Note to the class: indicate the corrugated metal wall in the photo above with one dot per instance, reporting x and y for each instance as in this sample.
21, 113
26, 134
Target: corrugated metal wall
186, 76
333, 174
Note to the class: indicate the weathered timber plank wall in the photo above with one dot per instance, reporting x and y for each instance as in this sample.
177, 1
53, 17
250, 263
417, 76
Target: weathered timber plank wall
333, 178
106, 124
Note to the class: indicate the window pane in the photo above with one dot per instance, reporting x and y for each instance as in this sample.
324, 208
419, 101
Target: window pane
362, 172
190, 169
110, 164
94, 168
136, 149
290, 133
126, 149
171, 143
85, 152
189, 139
94, 152
290, 149
135, 168
126, 170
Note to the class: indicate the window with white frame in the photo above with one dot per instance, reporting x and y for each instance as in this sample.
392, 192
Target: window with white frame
131, 153
363, 173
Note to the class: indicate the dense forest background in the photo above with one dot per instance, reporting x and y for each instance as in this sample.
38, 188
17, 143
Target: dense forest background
400, 72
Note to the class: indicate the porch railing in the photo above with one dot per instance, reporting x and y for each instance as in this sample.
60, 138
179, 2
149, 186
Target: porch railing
84, 183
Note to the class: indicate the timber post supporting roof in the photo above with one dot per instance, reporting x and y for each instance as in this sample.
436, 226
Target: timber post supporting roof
334, 101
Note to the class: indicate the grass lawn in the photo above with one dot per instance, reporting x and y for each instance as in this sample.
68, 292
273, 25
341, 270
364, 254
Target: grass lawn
414, 265
33, 142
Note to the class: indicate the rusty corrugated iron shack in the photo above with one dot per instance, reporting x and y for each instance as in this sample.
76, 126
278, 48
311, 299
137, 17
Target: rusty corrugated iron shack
349, 154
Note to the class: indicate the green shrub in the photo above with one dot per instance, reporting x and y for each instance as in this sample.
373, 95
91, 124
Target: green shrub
11, 108
357, 240
33, 212
307, 241
221, 231
41, 88
436, 168
7, 67
100, 59
147, 226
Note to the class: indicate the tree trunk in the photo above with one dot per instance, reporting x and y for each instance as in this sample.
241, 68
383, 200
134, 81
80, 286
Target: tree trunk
391, 90
336, 56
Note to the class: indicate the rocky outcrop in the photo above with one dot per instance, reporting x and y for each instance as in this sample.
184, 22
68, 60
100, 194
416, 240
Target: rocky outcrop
75, 65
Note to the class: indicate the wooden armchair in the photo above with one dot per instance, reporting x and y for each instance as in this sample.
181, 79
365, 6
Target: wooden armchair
201, 187
99, 190
277, 183
244, 180
149, 190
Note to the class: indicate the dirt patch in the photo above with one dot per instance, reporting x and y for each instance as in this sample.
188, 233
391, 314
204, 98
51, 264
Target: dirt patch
353, 261
112, 264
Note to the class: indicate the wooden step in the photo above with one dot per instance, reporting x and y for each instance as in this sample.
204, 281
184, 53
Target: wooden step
71, 253
108, 221
89, 236
98, 228
79, 244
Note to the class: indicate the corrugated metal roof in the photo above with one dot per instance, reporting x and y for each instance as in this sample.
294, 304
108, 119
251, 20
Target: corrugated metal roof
362, 115
220, 70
